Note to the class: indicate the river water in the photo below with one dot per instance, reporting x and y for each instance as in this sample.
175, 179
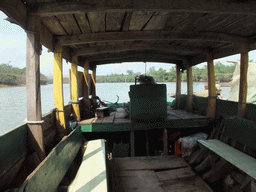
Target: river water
13, 99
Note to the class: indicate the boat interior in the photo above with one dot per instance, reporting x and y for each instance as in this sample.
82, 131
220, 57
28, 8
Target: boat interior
141, 145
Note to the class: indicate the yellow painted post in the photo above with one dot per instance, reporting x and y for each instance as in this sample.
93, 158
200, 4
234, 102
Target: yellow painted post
75, 104
86, 90
243, 81
58, 90
211, 87
190, 89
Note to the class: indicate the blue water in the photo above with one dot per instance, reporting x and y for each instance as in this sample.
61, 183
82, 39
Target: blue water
13, 99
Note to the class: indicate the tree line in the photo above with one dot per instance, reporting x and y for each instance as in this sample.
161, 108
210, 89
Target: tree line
223, 73
10, 75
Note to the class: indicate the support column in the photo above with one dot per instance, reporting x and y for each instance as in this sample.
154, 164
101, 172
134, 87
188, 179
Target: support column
178, 86
58, 90
243, 81
211, 87
93, 88
75, 104
190, 89
178, 81
34, 111
165, 142
94, 81
86, 90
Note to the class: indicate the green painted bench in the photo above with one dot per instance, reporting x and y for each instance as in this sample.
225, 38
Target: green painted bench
92, 173
237, 134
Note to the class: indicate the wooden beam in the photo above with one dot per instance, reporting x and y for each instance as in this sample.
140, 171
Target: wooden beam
135, 58
147, 54
190, 89
211, 87
74, 90
150, 35
86, 90
139, 47
34, 111
190, 6
16, 11
58, 90
243, 81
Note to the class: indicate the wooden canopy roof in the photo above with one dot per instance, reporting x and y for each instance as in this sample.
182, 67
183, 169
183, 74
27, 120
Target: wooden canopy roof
110, 31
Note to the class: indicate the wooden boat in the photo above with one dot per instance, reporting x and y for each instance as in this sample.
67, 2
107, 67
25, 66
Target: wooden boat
114, 153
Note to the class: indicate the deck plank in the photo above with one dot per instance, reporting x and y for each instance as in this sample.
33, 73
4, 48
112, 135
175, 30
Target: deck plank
175, 174
137, 181
149, 163
109, 119
193, 183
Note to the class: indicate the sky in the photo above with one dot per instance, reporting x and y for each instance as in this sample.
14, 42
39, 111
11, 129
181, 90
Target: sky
13, 51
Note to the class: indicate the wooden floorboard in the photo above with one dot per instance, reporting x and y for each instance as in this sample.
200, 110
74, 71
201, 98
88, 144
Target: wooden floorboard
156, 174
175, 174
149, 163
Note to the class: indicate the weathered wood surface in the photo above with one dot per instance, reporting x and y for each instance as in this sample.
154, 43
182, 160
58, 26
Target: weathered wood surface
34, 111
13, 153
48, 175
160, 174
92, 173
149, 163
232, 155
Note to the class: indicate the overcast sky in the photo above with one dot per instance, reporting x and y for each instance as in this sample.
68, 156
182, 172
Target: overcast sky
13, 51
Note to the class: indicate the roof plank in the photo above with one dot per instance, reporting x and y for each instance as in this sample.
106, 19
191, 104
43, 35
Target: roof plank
83, 23
114, 21
202, 6
139, 19
53, 25
69, 24
157, 22
97, 21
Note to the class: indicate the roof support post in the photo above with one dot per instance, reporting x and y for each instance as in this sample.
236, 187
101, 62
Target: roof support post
34, 111
190, 89
93, 88
58, 90
74, 90
211, 87
243, 81
178, 84
86, 89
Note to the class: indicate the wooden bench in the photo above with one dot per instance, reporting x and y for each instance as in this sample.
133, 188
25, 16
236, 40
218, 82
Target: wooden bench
92, 173
237, 134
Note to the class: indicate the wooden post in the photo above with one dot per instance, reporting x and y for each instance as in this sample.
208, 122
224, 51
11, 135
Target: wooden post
58, 90
86, 90
178, 86
75, 104
94, 81
243, 81
178, 82
165, 142
211, 87
132, 141
190, 89
93, 88
34, 111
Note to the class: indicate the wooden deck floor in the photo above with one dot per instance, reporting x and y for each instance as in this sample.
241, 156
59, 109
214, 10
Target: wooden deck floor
117, 121
156, 174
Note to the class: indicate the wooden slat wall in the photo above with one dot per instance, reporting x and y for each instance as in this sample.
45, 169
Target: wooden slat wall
12, 154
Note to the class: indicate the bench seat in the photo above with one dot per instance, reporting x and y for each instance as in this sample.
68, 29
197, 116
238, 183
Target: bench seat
239, 159
92, 173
